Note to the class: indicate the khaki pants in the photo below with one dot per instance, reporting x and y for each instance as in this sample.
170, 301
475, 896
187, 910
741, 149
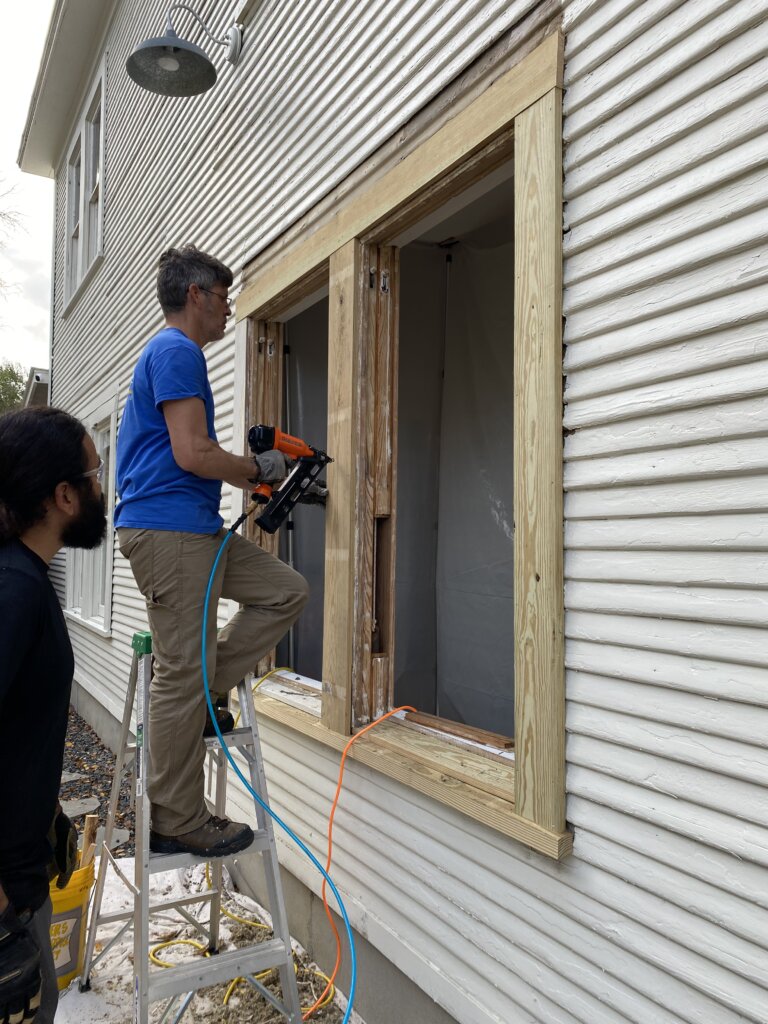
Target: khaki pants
172, 571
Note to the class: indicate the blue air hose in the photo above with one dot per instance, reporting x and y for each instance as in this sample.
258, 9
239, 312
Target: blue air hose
302, 846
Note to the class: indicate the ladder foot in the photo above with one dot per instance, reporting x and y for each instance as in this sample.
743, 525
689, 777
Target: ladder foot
85, 986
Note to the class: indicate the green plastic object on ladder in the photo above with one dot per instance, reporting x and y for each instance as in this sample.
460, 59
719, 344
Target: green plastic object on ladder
142, 643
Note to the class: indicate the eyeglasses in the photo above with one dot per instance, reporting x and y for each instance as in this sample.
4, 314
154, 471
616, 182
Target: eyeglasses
226, 301
98, 472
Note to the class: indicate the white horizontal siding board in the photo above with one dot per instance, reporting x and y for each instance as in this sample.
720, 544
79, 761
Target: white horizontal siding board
679, 888
711, 828
694, 461
614, 657
662, 207
659, 144
714, 139
692, 874
737, 235
722, 274
736, 645
745, 802
660, 230
743, 304
712, 534
695, 47
738, 345
587, 21
729, 759
698, 607
710, 716
744, 570
742, 417
735, 494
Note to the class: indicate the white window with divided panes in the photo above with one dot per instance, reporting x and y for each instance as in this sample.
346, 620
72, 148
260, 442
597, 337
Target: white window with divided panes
85, 194
89, 573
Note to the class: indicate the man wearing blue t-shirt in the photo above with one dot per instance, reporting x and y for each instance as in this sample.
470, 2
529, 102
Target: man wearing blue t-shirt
169, 473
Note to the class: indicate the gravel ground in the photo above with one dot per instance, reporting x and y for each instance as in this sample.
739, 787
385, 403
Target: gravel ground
87, 757
88, 769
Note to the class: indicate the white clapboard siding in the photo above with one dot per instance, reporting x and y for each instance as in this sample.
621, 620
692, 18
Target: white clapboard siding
666, 309
659, 916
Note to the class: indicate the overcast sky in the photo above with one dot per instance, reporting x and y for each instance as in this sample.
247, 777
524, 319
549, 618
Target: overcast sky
25, 256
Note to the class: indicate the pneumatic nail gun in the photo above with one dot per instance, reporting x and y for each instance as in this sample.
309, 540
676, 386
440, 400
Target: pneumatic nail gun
301, 484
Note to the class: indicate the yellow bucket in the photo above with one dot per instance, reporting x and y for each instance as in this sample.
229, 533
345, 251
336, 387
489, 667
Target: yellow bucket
68, 924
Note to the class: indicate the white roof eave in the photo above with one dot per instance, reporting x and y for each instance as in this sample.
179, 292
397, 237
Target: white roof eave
76, 28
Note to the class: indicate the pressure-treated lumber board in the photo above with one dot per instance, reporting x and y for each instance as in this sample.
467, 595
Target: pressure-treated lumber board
491, 113
469, 732
433, 781
363, 553
538, 471
345, 334
492, 777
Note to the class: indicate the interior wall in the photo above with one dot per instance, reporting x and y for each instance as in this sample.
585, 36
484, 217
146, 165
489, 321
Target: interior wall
474, 581
306, 416
454, 589
422, 314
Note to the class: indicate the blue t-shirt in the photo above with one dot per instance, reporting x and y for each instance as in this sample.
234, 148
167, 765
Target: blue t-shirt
155, 493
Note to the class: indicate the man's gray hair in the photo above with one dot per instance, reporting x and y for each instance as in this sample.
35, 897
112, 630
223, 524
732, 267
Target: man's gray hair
177, 269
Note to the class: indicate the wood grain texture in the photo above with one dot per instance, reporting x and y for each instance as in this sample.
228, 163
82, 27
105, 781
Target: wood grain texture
469, 732
264, 403
489, 776
434, 780
385, 478
456, 141
362, 567
345, 312
538, 475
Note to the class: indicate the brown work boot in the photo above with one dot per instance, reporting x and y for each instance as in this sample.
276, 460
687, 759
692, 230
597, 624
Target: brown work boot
217, 837
224, 720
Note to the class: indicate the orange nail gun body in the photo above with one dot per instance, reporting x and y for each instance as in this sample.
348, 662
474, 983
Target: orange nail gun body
301, 483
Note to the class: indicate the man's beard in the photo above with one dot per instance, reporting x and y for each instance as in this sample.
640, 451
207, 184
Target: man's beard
90, 527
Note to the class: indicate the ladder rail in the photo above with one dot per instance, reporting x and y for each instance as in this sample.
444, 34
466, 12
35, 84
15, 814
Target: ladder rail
114, 797
185, 979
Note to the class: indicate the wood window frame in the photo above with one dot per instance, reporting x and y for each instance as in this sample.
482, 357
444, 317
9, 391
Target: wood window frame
519, 116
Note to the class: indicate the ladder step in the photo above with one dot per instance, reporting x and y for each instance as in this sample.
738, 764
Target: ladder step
236, 739
158, 908
171, 861
207, 971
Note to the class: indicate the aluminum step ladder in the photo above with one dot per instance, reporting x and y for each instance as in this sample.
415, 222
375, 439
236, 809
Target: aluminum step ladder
151, 985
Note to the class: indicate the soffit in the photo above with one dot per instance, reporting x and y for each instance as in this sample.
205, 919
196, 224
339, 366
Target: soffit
74, 33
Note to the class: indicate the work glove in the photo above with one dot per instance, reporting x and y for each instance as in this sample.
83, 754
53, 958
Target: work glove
19, 971
62, 836
273, 466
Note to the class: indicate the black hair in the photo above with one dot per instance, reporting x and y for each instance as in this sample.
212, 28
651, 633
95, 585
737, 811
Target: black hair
39, 448
177, 269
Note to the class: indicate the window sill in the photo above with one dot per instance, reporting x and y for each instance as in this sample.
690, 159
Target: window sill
470, 783
90, 624
70, 303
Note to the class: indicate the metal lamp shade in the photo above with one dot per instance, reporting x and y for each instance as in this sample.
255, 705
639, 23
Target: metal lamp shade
171, 66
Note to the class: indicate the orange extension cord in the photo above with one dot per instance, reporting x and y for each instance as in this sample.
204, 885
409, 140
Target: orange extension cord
328, 914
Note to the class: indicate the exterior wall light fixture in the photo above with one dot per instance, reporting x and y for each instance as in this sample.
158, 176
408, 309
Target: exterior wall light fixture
173, 66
